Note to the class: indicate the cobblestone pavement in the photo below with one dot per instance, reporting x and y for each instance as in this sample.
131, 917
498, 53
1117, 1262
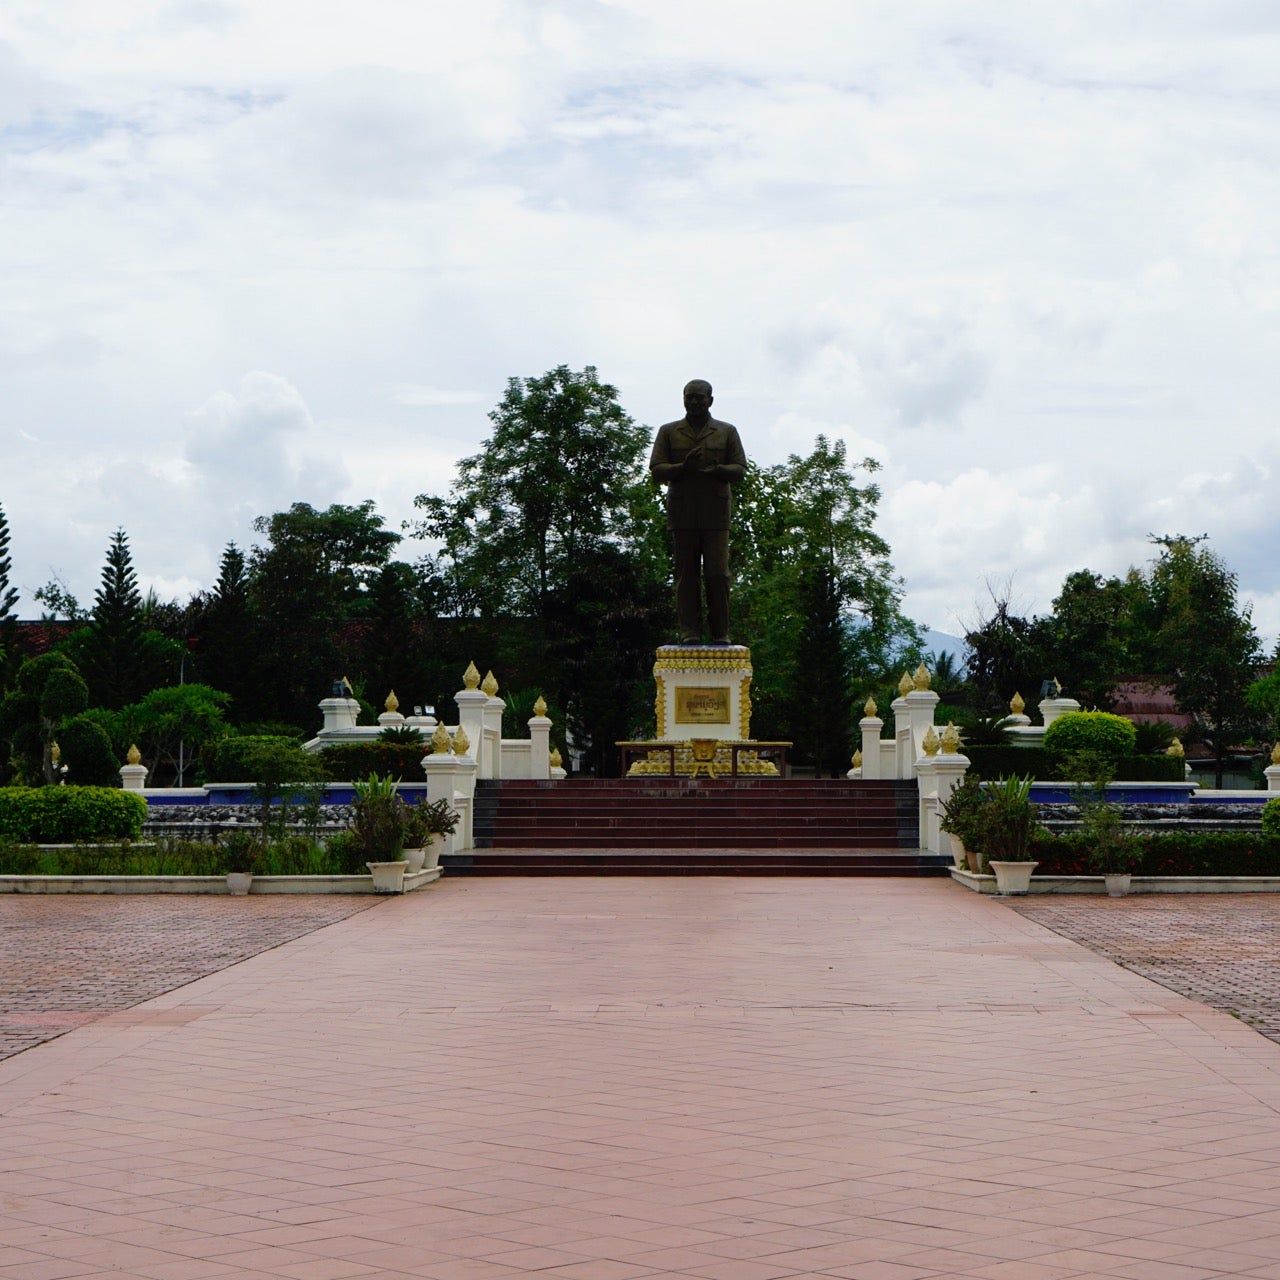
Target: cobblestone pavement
1222, 949
67, 960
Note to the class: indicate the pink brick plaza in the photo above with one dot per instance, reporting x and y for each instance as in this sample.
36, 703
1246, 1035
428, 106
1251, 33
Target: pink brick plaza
733, 1079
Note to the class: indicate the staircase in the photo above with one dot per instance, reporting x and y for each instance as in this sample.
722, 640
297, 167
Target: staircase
668, 826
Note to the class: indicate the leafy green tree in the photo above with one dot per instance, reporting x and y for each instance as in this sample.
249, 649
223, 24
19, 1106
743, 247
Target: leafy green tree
1007, 653
348, 544
822, 699
112, 646
312, 576
1206, 640
47, 692
603, 626
170, 725
805, 529
394, 650
59, 603
1092, 643
562, 472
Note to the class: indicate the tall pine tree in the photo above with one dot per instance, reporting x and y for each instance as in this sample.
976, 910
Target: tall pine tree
8, 599
225, 635
114, 664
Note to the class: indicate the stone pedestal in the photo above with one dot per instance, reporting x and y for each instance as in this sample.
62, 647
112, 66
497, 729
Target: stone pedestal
339, 714
703, 691
133, 777
539, 747
1272, 772
869, 727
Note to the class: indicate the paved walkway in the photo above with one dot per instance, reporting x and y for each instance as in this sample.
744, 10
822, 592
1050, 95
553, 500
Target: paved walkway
67, 960
603, 1079
1223, 949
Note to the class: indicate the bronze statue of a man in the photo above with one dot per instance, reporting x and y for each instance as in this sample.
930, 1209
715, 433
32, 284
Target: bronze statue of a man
698, 458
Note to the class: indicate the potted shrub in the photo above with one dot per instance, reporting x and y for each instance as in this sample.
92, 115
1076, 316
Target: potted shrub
426, 826
1006, 823
961, 817
239, 854
378, 816
1115, 851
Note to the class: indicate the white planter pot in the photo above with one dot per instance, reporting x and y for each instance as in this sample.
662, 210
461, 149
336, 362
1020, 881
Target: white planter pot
238, 883
1012, 877
414, 859
1117, 883
388, 877
434, 850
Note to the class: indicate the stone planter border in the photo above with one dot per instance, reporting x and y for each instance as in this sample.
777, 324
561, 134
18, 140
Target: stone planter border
204, 884
1140, 884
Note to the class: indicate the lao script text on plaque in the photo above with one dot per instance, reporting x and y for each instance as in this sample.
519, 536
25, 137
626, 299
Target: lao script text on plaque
702, 706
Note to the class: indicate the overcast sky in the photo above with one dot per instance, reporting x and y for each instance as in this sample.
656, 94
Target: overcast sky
1025, 254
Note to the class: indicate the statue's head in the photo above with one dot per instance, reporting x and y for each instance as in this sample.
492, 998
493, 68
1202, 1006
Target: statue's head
697, 397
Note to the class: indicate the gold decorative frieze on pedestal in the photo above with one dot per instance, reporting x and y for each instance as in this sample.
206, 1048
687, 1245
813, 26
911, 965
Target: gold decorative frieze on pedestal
703, 687
702, 697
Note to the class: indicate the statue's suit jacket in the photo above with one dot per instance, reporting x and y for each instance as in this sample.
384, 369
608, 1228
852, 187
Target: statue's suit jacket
696, 501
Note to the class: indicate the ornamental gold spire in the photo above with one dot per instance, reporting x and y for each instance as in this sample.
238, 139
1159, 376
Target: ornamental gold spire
857, 758
870, 708
1176, 748
922, 679
950, 739
392, 703
55, 753
133, 755
1016, 704
489, 684
1275, 754
930, 742
555, 759
440, 741
471, 676
906, 684
540, 707
461, 743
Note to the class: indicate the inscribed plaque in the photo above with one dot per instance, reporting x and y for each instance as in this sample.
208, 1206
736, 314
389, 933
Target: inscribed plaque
702, 706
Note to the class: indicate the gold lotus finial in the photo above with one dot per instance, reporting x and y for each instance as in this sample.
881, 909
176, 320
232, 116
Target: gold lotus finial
440, 741
857, 758
869, 709
471, 676
950, 739
461, 743
540, 707
930, 742
1275, 754
55, 752
1176, 748
1016, 704
555, 758
906, 684
922, 679
133, 755
392, 703
490, 684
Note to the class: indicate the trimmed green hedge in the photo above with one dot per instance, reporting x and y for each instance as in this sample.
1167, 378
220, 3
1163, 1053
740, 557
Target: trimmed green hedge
65, 815
999, 762
1168, 853
236, 758
351, 760
1099, 731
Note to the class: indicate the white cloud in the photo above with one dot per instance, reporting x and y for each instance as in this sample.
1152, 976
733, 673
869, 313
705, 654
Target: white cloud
1028, 258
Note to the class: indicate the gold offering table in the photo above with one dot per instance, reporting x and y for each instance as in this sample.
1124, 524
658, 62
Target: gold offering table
705, 757
702, 708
